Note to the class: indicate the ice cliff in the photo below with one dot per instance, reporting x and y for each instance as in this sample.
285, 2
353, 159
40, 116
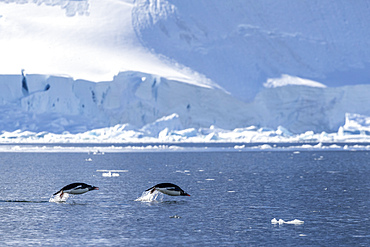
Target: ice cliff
58, 104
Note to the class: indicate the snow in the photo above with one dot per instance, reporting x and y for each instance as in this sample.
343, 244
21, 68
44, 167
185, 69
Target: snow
286, 80
91, 40
241, 45
172, 71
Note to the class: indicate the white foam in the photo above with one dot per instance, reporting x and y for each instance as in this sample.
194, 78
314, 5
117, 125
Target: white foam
292, 222
147, 196
57, 198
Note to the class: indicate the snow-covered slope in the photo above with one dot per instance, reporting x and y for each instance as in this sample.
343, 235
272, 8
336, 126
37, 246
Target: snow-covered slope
88, 39
239, 44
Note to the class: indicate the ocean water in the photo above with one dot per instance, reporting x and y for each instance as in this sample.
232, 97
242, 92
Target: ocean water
234, 197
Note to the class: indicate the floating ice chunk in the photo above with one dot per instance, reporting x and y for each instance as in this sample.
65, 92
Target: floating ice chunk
292, 222
274, 221
184, 171
110, 174
265, 146
97, 152
239, 146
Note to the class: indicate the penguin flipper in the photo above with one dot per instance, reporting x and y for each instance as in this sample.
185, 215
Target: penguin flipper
152, 189
57, 192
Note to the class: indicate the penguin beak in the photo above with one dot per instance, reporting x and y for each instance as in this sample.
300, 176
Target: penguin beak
187, 194
95, 188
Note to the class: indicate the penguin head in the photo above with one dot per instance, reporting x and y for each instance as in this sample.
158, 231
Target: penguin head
93, 188
184, 194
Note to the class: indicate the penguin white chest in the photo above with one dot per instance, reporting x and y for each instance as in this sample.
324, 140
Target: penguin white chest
77, 191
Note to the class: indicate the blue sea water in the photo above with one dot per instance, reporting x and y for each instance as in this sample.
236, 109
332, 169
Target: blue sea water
234, 197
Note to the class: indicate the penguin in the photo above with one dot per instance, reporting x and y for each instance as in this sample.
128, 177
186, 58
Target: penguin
76, 188
168, 189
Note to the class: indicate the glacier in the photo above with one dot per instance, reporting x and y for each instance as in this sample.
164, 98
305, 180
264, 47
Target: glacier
170, 71
241, 45
138, 107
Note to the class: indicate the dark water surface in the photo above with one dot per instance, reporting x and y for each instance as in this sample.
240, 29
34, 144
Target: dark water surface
234, 197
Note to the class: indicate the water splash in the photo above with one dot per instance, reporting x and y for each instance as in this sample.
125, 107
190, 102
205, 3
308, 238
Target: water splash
150, 197
57, 198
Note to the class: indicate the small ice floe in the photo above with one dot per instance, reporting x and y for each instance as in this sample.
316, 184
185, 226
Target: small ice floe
89, 159
292, 222
239, 146
265, 146
111, 173
97, 152
147, 196
175, 217
319, 158
58, 198
184, 171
